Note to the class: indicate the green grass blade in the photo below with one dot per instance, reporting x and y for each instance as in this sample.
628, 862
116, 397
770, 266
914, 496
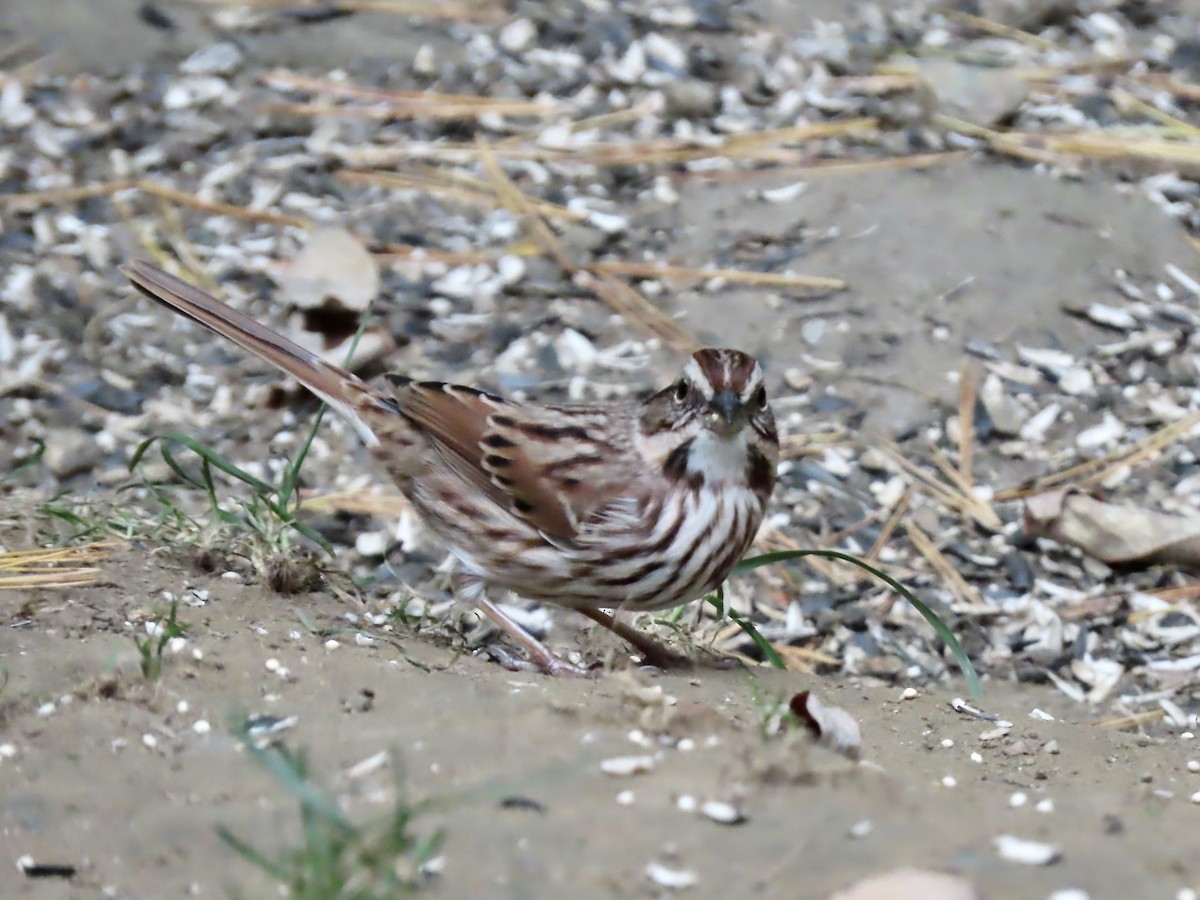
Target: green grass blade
935, 621
217, 461
251, 855
769, 653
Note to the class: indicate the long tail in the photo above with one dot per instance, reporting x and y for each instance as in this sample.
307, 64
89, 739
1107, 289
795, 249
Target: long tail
347, 394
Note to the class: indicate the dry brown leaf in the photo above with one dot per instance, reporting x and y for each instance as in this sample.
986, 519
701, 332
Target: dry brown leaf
1115, 534
831, 725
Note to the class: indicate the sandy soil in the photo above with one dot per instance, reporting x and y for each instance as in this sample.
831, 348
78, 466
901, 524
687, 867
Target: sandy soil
463, 727
110, 776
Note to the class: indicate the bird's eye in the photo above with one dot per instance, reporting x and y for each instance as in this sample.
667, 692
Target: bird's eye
682, 391
760, 398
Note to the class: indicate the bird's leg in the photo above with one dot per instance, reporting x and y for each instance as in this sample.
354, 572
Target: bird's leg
653, 653
541, 658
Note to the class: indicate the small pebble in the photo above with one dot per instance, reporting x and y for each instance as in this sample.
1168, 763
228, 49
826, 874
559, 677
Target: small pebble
272, 664
201, 726
950, 781
1018, 799
8, 750
149, 740
331, 644
910, 694
46, 709
625, 798
1193, 765
1045, 806
947, 743
861, 828
686, 803
1195, 798
182, 707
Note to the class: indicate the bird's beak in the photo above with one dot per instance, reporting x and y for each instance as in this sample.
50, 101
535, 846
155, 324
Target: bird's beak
726, 403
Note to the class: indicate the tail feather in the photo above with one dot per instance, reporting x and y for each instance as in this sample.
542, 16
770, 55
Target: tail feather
344, 392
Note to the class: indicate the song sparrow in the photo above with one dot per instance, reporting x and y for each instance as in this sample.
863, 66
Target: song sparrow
638, 506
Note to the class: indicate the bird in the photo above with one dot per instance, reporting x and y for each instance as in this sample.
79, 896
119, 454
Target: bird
638, 505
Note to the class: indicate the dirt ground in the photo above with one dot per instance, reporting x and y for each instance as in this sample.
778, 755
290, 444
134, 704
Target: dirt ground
107, 771
140, 820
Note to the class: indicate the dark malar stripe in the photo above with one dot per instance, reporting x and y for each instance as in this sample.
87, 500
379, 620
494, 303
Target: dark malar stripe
676, 467
760, 474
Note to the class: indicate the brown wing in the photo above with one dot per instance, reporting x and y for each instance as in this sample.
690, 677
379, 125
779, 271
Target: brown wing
540, 463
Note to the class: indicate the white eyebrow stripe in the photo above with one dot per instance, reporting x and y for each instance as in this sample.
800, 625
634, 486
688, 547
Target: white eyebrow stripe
695, 374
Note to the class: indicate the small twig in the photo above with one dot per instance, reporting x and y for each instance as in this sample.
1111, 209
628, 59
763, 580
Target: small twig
968, 380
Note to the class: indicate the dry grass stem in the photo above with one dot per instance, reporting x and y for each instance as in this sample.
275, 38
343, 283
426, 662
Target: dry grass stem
52, 568
795, 446
968, 383
410, 253
381, 506
459, 187
738, 276
963, 592
55, 196
955, 496
512, 199
421, 9
999, 29
889, 527
1092, 471
383, 101
1122, 723
633, 306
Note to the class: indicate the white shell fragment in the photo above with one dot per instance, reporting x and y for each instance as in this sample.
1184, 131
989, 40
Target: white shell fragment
627, 765
1028, 853
672, 879
722, 812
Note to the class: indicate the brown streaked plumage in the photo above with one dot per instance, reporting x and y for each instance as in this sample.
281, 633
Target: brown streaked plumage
634, 506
